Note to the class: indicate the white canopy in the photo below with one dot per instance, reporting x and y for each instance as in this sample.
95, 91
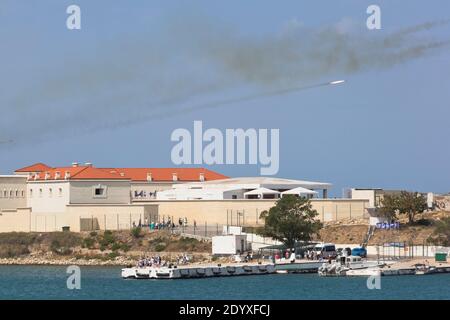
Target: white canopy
261, 191
299, 191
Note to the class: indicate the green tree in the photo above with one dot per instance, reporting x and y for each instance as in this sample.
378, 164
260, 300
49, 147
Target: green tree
408, 203
441, 234
292, 219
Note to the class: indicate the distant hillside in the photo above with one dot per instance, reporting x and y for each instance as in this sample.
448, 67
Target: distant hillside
354, 231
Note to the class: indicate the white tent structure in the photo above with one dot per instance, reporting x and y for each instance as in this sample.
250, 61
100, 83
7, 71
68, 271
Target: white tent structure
262, 193
300, 191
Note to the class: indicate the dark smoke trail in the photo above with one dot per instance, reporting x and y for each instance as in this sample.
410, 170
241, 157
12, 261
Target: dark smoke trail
133, 82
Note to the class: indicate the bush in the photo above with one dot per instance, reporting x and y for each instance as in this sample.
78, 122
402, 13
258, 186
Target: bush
160, 247
22, 238
124, 247
136, 232
93, 234
116, 246
88, 243
63, 242
107, 239
13, 250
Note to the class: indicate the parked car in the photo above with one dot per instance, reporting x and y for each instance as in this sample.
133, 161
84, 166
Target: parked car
361, 252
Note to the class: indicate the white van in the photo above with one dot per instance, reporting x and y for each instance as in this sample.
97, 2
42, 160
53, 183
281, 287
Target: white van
325, 250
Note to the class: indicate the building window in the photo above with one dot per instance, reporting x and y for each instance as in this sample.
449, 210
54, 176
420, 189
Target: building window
50, 192
31, 193
5, 194
11, 193
22, 194
99, 191
17, 193
60, 192
234, 196
40, 193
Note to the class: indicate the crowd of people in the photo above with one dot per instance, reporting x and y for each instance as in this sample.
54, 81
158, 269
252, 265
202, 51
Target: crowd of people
157, 261
169, 224
154, 261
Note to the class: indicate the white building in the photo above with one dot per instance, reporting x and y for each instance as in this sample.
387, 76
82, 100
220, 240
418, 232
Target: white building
244, 188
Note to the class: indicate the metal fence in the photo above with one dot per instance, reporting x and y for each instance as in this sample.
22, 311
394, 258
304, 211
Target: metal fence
404, 250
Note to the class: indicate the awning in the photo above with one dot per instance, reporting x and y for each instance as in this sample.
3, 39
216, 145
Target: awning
261, 191
299, 191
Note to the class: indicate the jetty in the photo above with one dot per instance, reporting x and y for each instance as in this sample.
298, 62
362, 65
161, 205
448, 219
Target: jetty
197, 271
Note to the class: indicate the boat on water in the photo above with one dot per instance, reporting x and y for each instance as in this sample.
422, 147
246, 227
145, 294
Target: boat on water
422, 269
350, 266
174, 272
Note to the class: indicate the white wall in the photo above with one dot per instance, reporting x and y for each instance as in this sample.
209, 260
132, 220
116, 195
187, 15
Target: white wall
230, 244
46, 201
364, 194
12, 192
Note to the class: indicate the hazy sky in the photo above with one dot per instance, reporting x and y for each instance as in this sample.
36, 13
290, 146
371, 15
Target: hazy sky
96, 94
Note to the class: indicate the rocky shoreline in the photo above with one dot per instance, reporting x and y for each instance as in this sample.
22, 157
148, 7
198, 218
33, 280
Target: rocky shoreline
118, 261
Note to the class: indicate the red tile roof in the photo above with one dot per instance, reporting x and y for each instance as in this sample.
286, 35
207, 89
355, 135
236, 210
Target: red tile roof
37, 167
166, 174
77, 173
81, 172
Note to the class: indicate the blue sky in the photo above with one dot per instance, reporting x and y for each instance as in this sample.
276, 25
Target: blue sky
90, 95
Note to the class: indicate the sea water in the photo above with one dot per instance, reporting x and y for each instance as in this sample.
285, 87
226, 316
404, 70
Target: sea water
50, 282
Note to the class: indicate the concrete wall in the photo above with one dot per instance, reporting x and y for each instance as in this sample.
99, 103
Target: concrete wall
82, 192
112, 217
13, 192
247, 212
15, 220
364, 194
77, 218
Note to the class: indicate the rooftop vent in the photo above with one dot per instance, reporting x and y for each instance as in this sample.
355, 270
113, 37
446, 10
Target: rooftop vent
67, 175
57, 175
149, 176
88, 164
174, 177
47, 176
74, 164
202, 177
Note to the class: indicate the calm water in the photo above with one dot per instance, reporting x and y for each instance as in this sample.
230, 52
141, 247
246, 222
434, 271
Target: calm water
38, 282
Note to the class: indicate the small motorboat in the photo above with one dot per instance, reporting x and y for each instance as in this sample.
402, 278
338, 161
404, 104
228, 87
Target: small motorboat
421, 269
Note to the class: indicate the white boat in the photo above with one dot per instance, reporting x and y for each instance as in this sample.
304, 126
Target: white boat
129, 273
422, 269
349, 265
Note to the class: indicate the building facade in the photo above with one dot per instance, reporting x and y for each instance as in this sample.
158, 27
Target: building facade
83, 197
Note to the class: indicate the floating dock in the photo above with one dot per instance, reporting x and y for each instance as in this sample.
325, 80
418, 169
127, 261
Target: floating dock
186, 272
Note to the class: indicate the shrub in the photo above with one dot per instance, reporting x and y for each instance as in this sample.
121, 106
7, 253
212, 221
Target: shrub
107, 239
125, 247
160, 247
23, 238
113, 255
116, 246
93, 234
88, 243
13, 250
136, 232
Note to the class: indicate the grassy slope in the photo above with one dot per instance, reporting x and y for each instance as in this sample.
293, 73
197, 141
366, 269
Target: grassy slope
96, 244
